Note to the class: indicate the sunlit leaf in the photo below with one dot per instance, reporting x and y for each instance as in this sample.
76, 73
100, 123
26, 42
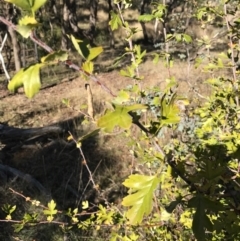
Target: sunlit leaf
51, 209
80, 46
23, 4
28, 5
170, 112
123, 96
55, 56
94, 52
146, 17
88, 67
32, 83
37, 4
29, 78
119, 117
26, 25
140, 198
115, 21
85, 204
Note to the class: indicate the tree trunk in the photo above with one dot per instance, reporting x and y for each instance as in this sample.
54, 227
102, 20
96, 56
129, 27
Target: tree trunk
12, 14
70, 22
111, 39
93, 19
142, 11
16, 49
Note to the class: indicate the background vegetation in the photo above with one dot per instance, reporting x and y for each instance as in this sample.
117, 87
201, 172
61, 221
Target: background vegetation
156, 157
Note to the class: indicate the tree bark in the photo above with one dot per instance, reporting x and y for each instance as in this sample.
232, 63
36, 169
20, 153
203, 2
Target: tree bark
70, 22
12, 14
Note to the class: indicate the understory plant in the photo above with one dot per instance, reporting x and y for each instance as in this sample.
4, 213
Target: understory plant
186, 180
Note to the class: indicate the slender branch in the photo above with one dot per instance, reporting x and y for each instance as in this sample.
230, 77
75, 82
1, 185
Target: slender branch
130, 43
69, 63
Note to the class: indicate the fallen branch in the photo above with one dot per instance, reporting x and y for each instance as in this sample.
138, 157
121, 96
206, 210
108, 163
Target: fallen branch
10, 134
26, 177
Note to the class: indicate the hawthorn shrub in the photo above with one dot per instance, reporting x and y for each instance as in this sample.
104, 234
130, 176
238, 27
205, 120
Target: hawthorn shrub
189, 187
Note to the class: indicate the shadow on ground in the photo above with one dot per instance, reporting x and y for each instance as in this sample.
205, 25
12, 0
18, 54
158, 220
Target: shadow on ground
47, 166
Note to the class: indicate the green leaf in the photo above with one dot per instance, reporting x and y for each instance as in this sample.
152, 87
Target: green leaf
23, 4
85, 205
80, 46
26, 25
88, 67
201, 221
90, 134
28, 5
28, 78
118, 117
55, 57
187, 38
146, 18
18, 227
115, 21
140, 202
51, 209
37, 4
123, 96
156, 58
94, 52
169, 111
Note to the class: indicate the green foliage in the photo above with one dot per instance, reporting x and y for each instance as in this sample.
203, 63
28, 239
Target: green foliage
140, 199
115, 21
119, 117
28, 5
188, 158
51, 211
26, 25
86, 52
29, 78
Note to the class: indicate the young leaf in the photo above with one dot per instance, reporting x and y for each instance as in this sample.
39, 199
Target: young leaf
37, 4
23, 4
115, 21
140, 202
55, 57
28, 5
94, 52
31, 80
85, 204
80, 46
51, 209
146, 17
170, 112
26, 25
28, 78
88, 67
118, 117
123, 96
